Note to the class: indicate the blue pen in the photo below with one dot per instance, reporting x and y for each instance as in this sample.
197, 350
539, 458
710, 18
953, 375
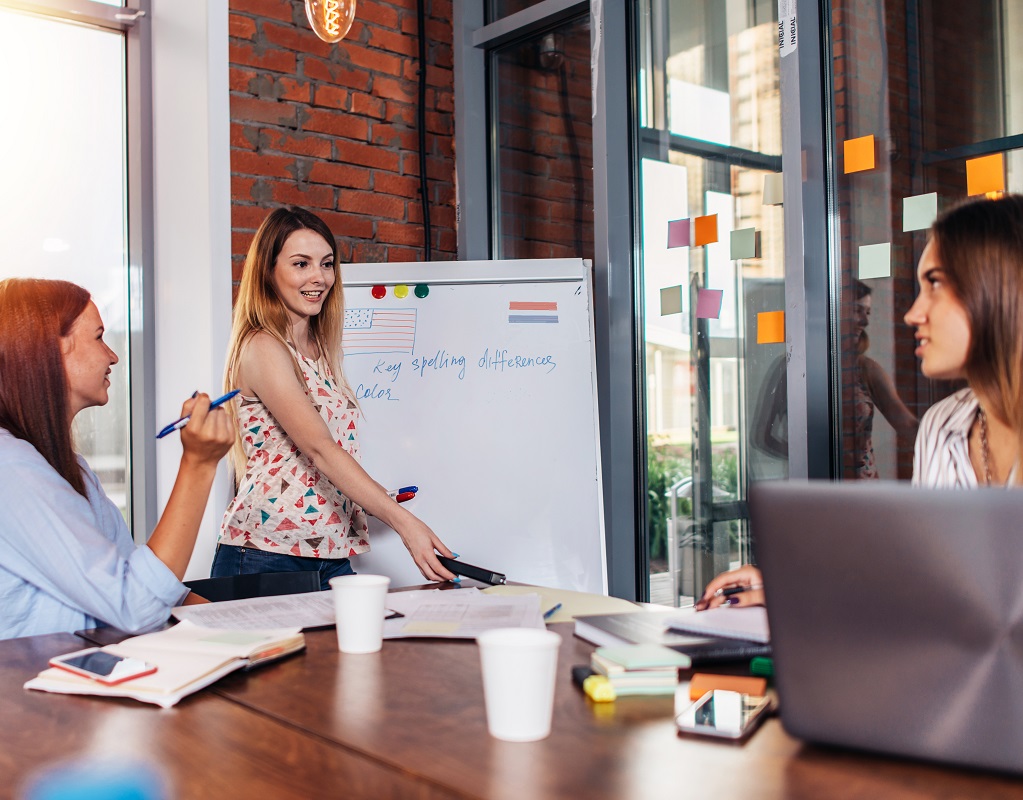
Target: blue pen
551, 611
178, 424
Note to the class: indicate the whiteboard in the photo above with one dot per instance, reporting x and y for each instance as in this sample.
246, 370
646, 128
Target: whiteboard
482, 394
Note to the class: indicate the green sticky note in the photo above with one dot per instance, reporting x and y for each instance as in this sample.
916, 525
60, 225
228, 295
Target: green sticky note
671, 300
919, 211
876, 260
744, 243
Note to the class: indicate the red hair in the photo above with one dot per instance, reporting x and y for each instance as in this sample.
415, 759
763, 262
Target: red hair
34, 393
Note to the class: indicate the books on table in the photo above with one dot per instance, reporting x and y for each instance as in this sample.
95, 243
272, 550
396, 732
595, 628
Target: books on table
635, 669
187, 658
655, 627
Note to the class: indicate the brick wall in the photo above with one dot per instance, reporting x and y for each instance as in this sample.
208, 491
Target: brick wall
333, 127
545, 147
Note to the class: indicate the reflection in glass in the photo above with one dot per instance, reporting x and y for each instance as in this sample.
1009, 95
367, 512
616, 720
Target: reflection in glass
544, 204
62, 207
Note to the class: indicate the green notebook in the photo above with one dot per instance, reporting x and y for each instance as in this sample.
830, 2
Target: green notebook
643, 656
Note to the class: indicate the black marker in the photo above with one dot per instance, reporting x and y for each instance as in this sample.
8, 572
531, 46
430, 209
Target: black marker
469, 571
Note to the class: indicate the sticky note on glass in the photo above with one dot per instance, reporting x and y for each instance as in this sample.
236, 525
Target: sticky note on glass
705, 230
919, 211
708, 303
744, 243
985, 174
671, 300
771, 327
773, 192
678, 233
876, 260
859, 154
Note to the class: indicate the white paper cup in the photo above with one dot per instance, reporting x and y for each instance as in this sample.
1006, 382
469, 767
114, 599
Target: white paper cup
519, 667
359, 611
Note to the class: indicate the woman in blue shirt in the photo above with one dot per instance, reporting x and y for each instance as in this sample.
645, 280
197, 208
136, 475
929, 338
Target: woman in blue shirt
67, 560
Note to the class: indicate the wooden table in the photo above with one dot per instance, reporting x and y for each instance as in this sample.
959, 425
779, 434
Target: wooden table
409, 722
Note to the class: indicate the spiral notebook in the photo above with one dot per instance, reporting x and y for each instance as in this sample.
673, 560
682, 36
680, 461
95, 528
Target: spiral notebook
748, 624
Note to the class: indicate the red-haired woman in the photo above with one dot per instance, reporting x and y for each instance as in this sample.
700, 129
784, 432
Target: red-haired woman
67, 560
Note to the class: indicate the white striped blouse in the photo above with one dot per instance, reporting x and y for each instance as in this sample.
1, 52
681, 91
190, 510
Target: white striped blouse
941, 459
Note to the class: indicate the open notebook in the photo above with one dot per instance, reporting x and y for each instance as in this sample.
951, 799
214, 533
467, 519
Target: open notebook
187, 658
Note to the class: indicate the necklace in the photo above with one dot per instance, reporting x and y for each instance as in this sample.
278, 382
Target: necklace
985, 453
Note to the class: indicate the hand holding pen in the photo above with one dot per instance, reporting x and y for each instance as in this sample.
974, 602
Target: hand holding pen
182, 421
738, 587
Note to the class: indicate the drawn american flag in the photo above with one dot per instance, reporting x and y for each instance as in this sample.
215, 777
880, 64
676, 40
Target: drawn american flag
379, 330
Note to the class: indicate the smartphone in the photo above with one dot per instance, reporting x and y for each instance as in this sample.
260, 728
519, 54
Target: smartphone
101, 666
726, 715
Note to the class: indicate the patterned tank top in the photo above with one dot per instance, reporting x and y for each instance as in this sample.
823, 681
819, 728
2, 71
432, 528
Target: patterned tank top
284, 504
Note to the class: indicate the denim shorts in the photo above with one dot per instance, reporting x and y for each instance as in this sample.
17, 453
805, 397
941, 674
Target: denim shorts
230, 560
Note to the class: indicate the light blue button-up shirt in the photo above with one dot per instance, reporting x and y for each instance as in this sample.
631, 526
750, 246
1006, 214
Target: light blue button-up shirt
68, 562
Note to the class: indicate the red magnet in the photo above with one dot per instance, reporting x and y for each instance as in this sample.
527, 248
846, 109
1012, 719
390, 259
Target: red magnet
379, 291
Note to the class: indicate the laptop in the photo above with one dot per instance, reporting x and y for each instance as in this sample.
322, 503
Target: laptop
896, 617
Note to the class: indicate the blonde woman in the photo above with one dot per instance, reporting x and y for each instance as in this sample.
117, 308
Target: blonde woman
969, 325
302, 496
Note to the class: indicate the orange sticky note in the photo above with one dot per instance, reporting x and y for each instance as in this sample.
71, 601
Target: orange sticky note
985, 174
859, 154
771, 327
705, 230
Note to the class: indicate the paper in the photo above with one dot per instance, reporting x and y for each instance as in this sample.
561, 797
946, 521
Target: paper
771, 327
774, 191
705, 230
875, 260
459, 613
671, 300
749, 624
678, 233
985, 174
708, 303
573, 604
919, 211
787, 39
859, 154
307, 610
744, 243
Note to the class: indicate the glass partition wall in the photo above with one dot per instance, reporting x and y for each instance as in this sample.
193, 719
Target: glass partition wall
711, 266
920, 100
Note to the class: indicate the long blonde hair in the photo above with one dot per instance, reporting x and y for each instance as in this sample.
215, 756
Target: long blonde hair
259, 309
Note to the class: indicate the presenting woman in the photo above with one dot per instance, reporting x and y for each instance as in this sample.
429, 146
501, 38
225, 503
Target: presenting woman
302, 496
969, 325
67, 560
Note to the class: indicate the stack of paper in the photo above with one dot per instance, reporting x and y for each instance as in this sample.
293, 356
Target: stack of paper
458, 613
639, 668
187, 658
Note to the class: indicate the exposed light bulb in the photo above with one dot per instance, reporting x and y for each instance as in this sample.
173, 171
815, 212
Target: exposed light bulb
330, 19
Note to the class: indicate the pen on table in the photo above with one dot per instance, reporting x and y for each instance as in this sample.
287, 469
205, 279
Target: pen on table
550, 612
730, 590
178, 424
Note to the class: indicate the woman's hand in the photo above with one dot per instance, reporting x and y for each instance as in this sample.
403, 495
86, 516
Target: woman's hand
422, 544
747, 576
208, 435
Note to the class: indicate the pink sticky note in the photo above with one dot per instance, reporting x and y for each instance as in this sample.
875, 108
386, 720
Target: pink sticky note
708, 303
678, 233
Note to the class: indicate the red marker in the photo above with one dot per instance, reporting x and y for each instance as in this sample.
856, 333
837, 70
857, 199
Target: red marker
403, 496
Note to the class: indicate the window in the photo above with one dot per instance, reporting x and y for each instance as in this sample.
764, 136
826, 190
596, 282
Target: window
709, 137
65, 204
